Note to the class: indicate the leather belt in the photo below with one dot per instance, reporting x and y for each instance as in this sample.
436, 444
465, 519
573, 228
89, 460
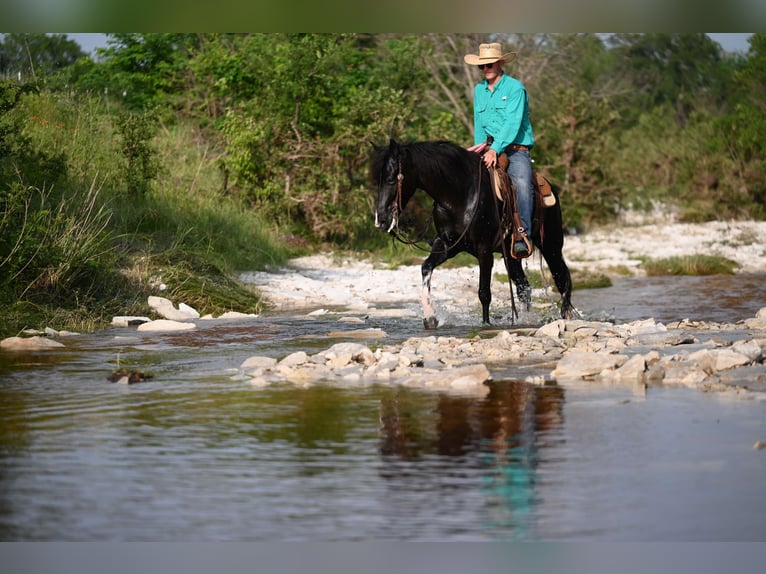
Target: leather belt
516, 147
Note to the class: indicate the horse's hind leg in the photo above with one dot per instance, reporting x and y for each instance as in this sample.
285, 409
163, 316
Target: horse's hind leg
437, 257
486, 262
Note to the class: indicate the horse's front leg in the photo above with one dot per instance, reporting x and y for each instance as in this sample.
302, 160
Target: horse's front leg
437, 257
486, 261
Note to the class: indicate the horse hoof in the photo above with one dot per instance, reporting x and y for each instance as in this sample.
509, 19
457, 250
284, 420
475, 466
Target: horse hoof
430, 323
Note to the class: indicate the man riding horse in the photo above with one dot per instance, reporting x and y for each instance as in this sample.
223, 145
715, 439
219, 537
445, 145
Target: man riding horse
501, 120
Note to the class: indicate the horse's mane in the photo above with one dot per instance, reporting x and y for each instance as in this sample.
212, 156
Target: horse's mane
440, 153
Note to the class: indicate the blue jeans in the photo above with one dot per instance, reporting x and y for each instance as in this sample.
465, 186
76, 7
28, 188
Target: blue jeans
520, 172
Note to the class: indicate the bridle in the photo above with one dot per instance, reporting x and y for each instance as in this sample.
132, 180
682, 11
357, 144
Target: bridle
397, 208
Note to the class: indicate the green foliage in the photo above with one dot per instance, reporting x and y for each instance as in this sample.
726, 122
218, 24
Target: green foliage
140, 71
225, 150
140, 165
36, 57
299, 152
50, 251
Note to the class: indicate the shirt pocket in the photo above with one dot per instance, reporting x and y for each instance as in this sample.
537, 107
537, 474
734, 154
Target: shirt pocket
499, 105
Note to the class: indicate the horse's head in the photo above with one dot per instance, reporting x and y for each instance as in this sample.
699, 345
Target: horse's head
387, 173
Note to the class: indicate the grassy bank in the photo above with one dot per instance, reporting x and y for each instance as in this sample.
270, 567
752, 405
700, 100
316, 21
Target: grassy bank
79, 247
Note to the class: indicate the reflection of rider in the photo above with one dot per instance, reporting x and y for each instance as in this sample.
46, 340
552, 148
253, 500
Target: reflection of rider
504, 429
501, 115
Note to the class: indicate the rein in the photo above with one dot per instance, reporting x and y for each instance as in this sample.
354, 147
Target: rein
397, 209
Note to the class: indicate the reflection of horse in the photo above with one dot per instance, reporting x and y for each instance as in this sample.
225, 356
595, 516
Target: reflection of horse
509, 416
497, 438
467, 216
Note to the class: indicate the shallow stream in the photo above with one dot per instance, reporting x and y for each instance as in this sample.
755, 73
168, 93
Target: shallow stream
195, 454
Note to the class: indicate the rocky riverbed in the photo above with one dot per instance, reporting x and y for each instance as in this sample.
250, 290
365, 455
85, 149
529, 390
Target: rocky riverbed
704, 355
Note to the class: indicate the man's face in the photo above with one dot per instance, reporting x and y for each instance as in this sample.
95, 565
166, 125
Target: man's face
491, 71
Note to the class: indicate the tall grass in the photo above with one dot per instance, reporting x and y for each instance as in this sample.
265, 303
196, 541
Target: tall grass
690, 265
87, 247
186, 209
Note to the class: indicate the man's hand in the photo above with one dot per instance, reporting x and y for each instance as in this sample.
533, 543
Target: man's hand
490, 158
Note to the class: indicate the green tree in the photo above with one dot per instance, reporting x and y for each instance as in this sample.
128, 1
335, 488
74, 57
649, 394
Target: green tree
141, 71
32, 57
685, 71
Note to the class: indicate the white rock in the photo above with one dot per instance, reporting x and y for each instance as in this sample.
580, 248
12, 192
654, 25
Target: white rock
580, 364
633, 369
645, 327
751, 349
35, 343
295, 359
467, 377
756, 323
728, 359
683, 374
258, 363
165, 308
190, 311
236, 315
166, 325
359, 334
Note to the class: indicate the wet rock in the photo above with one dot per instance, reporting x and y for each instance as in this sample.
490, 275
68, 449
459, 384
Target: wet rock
714, 360
684, 374
359, 334
645, 327
54, 333
350, 320
128, 377
577, 364
633, 369
752, 349
469, 377
661, 339
258, 363
750, 377
294, 359
36, 343
756, 323
164, 307
553, 329
129, 321
166, 325
236, 315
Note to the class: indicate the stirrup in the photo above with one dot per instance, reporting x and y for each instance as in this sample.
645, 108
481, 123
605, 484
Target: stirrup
522, 244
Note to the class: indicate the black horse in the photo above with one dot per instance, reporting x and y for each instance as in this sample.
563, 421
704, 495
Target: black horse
467, 216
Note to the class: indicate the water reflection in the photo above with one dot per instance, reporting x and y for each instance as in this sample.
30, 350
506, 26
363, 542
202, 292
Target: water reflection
499, 436
721, 298
196, 455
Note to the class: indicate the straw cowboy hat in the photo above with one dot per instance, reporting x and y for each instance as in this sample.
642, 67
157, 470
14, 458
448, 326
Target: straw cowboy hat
489, 54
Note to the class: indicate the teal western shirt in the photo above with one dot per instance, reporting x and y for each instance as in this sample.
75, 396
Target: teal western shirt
502, 113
